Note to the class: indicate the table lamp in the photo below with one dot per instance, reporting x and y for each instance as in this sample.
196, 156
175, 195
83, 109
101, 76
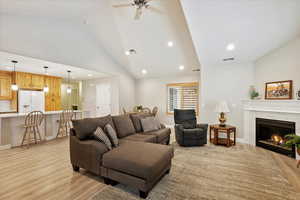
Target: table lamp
222, 108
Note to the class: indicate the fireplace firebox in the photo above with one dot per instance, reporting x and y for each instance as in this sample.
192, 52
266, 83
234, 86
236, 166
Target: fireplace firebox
270, 135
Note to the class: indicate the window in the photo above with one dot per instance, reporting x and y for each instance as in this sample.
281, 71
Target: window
182, 96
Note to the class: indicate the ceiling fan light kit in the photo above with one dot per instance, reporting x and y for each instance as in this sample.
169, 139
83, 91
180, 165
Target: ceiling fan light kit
140, 5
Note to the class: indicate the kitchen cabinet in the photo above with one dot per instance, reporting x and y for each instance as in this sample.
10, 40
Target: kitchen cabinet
29, 81
53, 97
5, 85
37, 81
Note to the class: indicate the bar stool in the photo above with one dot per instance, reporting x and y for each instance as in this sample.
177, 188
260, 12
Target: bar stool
65, 122
32, 122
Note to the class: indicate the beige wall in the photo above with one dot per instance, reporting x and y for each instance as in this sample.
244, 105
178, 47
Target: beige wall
89, 96
152, 92
226, 82
280, 64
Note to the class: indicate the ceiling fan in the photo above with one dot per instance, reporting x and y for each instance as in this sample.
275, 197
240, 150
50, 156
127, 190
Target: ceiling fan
140, 5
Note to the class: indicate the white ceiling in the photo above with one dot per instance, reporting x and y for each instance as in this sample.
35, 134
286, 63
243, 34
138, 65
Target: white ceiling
91, 34
149, 37
27, 64
80, 33
256, 27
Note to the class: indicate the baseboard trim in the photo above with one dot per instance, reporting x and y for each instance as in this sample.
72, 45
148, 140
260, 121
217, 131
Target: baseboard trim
5, 147
50, 137
241, 140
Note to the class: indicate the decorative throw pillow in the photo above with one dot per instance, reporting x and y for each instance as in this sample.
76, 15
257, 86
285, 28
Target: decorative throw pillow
157, 122
136, 120
149, 124
101, 136
124, 125
112, 135
190, 124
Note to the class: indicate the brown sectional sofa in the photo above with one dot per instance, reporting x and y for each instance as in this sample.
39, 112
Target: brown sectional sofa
140, 160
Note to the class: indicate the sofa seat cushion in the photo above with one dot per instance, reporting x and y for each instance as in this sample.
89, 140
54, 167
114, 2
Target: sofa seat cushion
84, 128
160, 134
143, 160
141, 138
124, 125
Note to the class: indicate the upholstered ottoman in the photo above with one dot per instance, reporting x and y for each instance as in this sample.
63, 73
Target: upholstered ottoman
137, 164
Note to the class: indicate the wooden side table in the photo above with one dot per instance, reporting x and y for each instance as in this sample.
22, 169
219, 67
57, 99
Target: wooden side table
216, 129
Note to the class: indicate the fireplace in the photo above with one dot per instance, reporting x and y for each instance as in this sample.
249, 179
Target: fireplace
270, 135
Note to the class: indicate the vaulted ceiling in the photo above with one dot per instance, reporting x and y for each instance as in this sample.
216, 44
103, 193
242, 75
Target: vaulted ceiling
91, 34
256, 27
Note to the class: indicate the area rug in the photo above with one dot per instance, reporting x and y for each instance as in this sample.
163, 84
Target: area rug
214, 173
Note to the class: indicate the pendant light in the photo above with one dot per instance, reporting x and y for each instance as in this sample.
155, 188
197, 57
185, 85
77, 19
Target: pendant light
46, 88
14, 86
69, 89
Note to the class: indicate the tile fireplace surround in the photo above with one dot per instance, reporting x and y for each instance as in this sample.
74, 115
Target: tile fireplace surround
284, 110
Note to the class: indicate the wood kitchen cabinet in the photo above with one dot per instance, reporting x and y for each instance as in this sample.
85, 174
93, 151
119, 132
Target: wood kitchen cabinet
30, 81
5, 85
53, 97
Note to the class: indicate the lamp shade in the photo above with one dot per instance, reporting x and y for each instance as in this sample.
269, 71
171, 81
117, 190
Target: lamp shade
222, 107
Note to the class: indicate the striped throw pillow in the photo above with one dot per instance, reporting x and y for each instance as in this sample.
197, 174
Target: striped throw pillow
101, 136
112, 135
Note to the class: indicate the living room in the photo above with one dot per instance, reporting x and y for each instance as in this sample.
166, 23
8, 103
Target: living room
175, 99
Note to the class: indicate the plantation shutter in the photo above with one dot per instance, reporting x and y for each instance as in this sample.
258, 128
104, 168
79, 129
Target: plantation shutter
182, 96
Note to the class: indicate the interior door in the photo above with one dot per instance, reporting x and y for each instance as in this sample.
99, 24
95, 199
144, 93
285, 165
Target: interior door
103, 99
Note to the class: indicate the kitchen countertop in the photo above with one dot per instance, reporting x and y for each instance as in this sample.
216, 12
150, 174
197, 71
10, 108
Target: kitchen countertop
9, 115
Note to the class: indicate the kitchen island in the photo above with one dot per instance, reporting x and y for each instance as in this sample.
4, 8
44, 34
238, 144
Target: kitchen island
12, 127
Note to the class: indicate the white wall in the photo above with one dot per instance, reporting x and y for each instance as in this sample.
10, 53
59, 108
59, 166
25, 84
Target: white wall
89, 95
95, 45
152, 92
279, 65
5, 106
229, 83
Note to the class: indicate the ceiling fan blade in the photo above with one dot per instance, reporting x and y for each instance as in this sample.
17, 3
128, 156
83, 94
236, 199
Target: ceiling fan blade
122, 5
153, 9
138, 14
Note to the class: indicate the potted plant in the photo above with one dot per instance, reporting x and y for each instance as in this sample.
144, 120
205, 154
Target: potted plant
293, 139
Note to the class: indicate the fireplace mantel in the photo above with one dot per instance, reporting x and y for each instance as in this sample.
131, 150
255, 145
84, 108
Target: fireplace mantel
280, 106
285, 110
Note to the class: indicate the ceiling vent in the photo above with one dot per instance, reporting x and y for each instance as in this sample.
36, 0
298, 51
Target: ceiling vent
196, 70
228, 59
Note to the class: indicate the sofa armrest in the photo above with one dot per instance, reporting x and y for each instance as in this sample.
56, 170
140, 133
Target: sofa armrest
203, 126
87, 154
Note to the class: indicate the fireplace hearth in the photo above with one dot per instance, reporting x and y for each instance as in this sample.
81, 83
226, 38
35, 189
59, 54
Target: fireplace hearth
270, 135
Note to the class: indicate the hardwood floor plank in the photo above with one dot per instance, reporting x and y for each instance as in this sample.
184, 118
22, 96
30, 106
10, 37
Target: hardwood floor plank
44, 172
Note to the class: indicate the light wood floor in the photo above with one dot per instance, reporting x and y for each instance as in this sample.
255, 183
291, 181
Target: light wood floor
44, 172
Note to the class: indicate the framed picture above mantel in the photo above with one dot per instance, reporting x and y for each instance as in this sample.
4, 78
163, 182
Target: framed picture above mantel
279, 90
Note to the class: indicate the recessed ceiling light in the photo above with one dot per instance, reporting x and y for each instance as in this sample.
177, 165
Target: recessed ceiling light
230, 47
170, 44
130, 52
90, 75
144, 71
181, 67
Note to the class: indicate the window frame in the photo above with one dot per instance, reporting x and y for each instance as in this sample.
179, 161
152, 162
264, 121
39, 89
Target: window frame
187, 84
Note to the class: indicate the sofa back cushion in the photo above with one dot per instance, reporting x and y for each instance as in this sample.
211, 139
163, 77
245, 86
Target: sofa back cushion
124, 125
136, 119
85, 128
